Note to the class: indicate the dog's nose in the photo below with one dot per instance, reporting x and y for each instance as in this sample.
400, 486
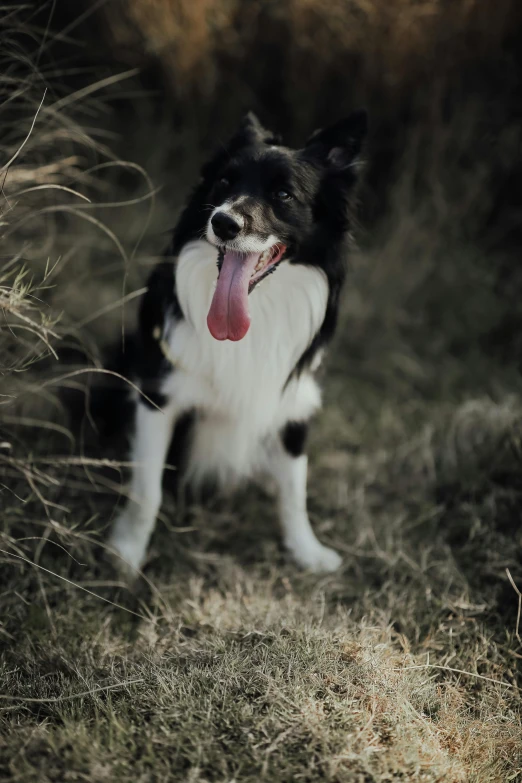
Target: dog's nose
225, 227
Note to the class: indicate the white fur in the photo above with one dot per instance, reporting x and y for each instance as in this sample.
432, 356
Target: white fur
238, 390
290, 477
133, 528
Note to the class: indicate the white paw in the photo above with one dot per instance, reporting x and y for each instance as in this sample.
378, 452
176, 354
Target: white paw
127, 544
314, 556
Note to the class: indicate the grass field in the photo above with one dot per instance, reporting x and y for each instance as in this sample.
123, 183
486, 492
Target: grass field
224, 662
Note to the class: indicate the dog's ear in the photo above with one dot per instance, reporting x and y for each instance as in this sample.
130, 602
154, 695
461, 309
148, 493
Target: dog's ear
251, 132
339, 145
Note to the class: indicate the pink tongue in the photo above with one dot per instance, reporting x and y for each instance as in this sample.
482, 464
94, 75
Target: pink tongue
228, 317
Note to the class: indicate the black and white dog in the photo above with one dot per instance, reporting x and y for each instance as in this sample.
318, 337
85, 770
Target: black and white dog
223, 339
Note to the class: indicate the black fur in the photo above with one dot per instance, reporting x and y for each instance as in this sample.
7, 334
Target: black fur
293, 437
152, 365
159, 303
181, 442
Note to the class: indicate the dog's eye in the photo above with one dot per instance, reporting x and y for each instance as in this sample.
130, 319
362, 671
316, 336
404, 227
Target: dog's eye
224, 182
283, 195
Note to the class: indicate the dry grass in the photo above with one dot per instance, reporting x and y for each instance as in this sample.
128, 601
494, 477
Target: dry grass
224, 663
231, 665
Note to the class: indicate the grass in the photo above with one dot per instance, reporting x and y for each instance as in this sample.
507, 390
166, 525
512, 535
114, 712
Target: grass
225, 663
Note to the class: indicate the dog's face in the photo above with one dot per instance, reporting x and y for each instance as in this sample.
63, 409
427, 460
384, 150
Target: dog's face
267, 202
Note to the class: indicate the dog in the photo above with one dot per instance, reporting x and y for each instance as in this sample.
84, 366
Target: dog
234, 323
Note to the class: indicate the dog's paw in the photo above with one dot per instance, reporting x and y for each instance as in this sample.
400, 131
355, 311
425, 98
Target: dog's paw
125, 549
316, 557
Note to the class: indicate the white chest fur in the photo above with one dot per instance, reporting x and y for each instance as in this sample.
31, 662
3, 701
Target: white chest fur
239, 387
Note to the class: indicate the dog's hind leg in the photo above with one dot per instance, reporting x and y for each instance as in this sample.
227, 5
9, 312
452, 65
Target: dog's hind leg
288, 464
133, 527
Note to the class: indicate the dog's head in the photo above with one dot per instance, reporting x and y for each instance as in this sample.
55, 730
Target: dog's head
270, 204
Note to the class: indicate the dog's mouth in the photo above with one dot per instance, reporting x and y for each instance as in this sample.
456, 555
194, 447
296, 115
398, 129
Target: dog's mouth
238, 275
267, 263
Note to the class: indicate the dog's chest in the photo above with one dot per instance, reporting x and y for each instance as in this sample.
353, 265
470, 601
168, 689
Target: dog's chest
246, 378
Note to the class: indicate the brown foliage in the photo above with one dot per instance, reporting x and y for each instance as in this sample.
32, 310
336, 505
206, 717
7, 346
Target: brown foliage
391, 45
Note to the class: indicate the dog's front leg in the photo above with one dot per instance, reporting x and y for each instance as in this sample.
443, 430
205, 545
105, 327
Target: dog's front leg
288, 465
133, 527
